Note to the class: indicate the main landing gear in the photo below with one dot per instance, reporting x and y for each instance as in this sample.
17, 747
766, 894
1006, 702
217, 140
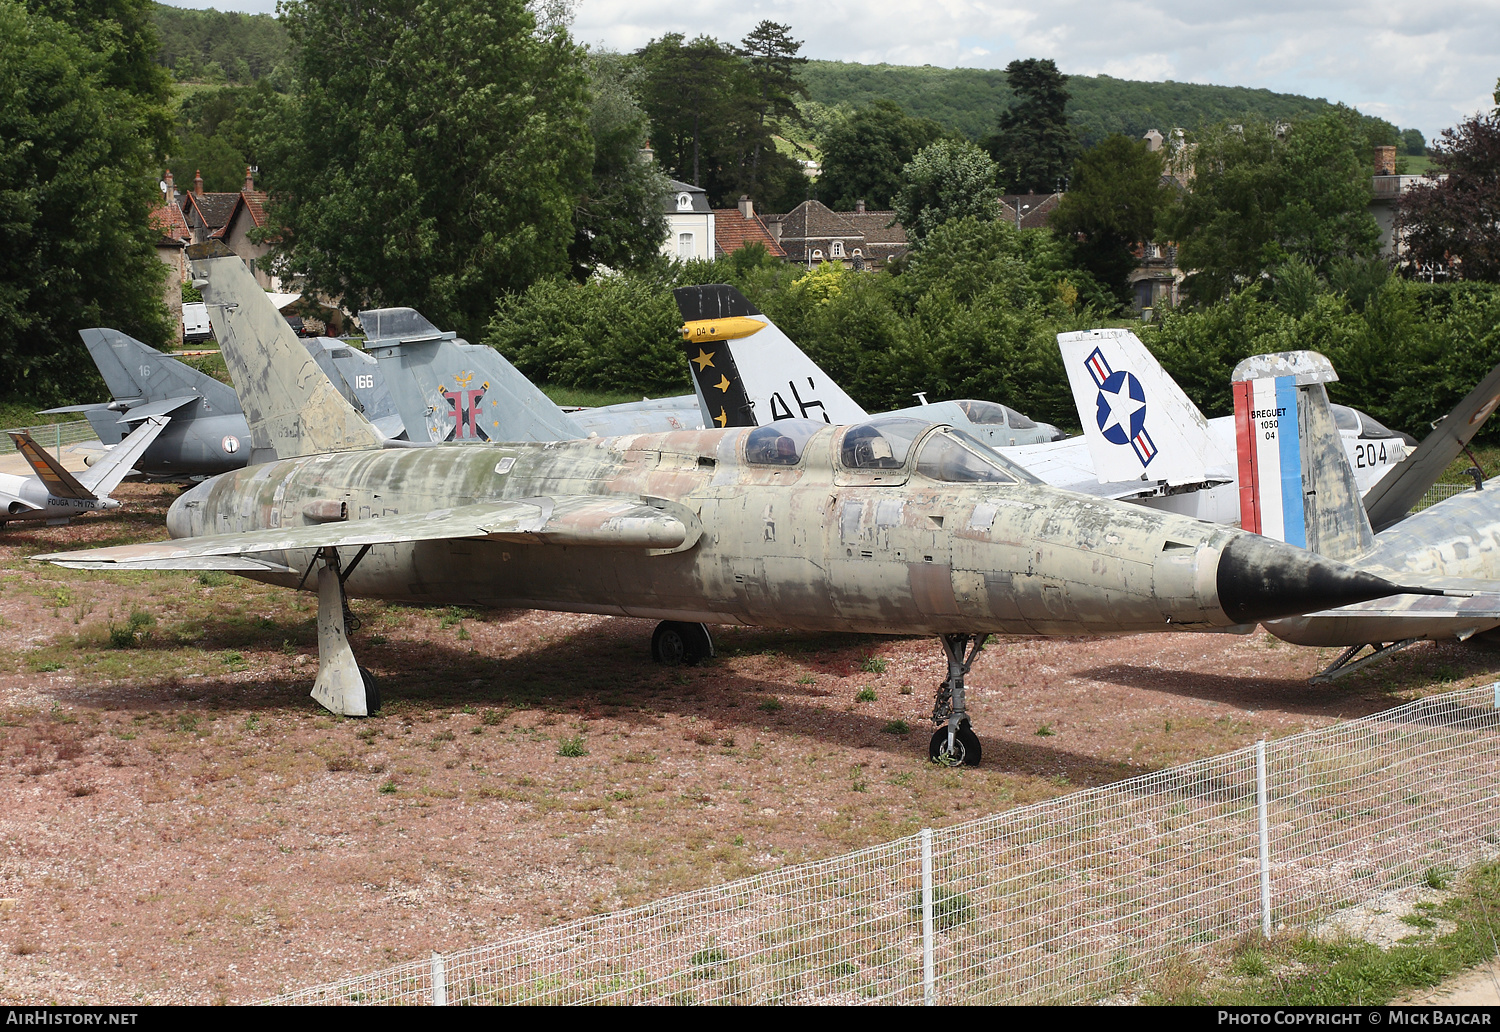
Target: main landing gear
954, 743
681, 644
343, 686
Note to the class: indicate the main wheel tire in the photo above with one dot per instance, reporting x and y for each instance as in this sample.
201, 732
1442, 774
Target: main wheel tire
372, 690
681, 644
965, 752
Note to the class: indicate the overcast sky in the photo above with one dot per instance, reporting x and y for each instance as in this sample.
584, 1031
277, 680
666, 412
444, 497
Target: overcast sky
1419, 63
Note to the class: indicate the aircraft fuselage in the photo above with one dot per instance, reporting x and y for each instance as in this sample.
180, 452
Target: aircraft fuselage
813, 545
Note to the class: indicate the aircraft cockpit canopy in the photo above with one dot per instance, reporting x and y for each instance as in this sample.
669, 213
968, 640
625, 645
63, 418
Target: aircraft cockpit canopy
880, 443
954, 457
1368, 428
989, 413
401, 324
780, 443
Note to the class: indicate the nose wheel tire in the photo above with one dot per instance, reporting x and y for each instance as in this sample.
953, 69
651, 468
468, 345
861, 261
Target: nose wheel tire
965, 751
681, 644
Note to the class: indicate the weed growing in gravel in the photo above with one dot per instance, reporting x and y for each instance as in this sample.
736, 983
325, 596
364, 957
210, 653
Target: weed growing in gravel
873, 665
896, 727
770, 706
866, 694
572, 747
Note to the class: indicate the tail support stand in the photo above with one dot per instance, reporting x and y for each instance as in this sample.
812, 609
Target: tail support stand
957, 743
340, 686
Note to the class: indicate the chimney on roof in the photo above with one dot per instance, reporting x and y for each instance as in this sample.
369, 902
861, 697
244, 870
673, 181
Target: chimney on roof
198, 184
249, 179
1385, 161
1153, 140
647, 154
859, 205
747, 206
171, 190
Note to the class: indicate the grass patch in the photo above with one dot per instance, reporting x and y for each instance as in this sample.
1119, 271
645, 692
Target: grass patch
572, 747
866, 694
770, 706
873, 665
1306, 972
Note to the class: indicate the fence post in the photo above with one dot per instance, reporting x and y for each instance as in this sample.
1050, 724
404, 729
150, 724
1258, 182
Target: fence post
929, 978
1263, 815
59, 441
1496, 686
439, 981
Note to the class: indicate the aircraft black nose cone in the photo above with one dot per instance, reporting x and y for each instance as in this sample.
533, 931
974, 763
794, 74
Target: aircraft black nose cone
1261, 579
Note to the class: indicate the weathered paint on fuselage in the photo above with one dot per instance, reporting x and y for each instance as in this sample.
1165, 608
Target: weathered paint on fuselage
807, 546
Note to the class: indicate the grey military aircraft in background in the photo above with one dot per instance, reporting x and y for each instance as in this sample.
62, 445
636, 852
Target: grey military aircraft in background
56, 495
448, 390
208, 434
889, 526
1300, 489
763, 376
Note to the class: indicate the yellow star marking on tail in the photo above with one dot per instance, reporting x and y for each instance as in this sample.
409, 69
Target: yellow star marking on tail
722, 418
704, 359
723, 383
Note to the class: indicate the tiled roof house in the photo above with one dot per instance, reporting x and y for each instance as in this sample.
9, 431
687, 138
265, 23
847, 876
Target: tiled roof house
1028, 211
736, 227
230, 217
812, 232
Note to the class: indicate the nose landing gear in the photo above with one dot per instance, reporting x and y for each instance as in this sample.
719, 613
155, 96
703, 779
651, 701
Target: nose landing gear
686, 644
954, 743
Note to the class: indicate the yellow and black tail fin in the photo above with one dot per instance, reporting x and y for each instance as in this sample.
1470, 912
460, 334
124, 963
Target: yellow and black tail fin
712, 316
746, 372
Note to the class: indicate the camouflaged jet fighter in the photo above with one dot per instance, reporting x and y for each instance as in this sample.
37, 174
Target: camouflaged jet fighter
1297, 486
889, 526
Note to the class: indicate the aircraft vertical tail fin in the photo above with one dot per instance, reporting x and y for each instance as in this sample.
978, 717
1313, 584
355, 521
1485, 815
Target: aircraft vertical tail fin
291, 405
105, 475
746, 372
136, 372
1138, 423
446, 389
1295, 481
49, 470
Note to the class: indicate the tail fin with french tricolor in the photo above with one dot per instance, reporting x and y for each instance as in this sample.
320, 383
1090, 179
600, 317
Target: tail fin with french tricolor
1295, 482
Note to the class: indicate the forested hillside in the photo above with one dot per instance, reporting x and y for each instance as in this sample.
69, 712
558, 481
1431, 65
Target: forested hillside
219, 46
969, 99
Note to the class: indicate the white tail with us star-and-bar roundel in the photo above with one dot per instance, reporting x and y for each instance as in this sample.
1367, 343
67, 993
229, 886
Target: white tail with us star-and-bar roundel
1138, 423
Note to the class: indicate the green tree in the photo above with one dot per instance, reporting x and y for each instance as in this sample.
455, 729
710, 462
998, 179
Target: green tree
433, 155
1263, 193
619, 220
775, 75
1413, 142
77, 185
220, 131
949, 179
1114, 198
863, 155
1456, 222
1035, 145
693, 91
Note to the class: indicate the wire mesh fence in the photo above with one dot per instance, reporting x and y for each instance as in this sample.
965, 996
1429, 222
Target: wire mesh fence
1440, 492
51, 435
1077, 898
